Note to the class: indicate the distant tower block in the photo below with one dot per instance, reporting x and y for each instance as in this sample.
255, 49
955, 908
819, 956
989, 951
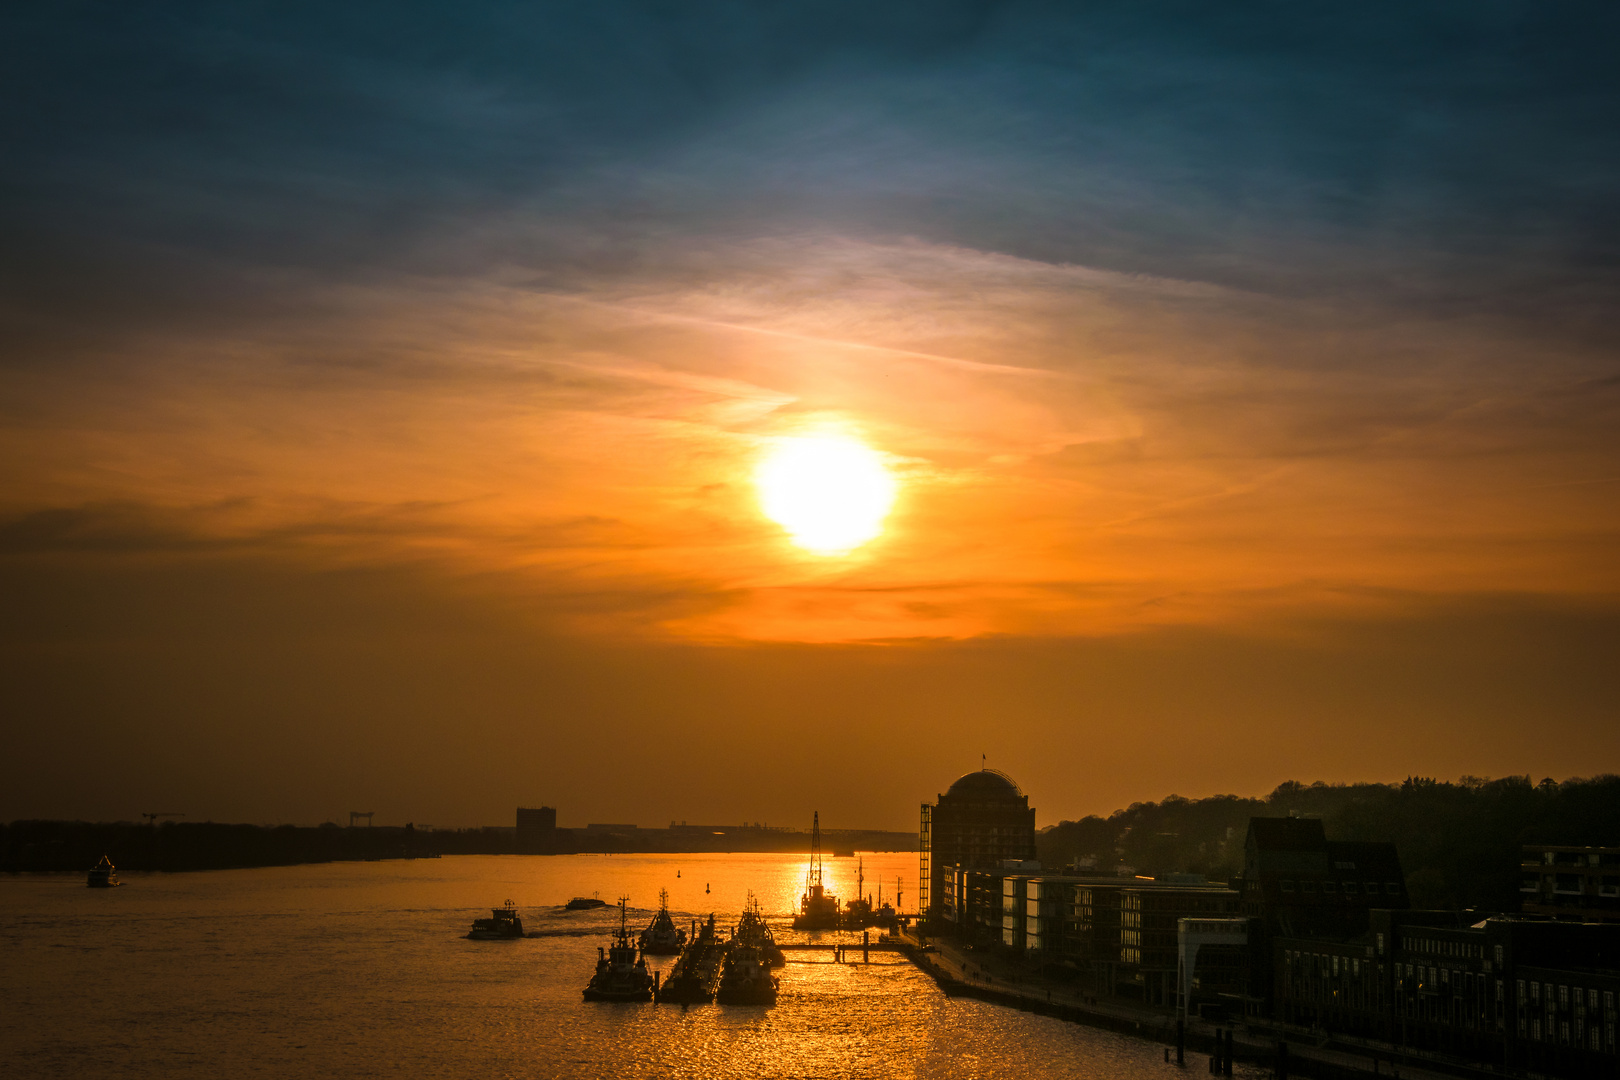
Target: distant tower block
536, 829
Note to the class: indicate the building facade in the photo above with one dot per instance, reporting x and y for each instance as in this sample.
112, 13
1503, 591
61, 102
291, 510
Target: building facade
536, 829
1526, 994
981, 822
1580, 883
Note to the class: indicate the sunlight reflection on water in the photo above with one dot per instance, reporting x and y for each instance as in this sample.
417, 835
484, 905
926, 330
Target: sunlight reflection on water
359, 969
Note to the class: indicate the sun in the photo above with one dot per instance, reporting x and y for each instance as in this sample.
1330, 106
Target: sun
830, 492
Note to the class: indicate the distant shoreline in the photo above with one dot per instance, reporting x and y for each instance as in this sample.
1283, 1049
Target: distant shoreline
74, 846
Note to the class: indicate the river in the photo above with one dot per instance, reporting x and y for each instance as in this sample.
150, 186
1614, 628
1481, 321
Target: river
361, 970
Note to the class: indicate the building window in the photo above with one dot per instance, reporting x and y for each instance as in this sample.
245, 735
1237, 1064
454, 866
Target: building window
1307, 886
1330, 886
1499, 954
1287, 886
1392, 888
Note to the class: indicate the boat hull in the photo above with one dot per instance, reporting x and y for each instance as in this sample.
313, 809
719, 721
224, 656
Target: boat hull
593, 994
750, 994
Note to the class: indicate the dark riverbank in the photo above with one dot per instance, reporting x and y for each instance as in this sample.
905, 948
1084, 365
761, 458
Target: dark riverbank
206, 845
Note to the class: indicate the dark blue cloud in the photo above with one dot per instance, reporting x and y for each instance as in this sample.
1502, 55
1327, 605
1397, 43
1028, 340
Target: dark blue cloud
1443, 153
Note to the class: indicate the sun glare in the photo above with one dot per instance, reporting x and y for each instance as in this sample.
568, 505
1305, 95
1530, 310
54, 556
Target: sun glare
830, 493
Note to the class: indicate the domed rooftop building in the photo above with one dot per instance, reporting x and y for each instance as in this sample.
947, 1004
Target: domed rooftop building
982, 821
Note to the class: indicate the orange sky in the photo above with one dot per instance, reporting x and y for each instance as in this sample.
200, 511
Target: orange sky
1078, 452
1233, 400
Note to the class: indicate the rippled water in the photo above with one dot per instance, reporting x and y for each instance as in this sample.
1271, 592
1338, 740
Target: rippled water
360, 969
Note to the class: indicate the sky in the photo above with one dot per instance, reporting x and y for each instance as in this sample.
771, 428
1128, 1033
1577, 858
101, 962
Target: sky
383, 387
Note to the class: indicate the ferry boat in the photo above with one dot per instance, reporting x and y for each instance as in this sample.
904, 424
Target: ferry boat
662, 937
503, 922
818, 908
584, 903
102, 876
621, 975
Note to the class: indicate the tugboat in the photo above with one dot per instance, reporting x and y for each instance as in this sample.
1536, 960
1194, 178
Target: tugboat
858, 913
745, 977
620, 974
753, 930
503, 922
584, 903
102, 876
662, 937
818, 908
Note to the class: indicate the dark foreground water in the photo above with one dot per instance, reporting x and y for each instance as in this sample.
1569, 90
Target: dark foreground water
360, 969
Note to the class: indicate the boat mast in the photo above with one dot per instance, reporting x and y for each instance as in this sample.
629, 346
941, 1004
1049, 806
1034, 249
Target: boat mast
815, 849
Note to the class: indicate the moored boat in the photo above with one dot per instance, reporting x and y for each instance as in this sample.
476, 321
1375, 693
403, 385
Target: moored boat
818, 908
503, 922
662, 937
752, 929
745, 977
692, 980
620, 975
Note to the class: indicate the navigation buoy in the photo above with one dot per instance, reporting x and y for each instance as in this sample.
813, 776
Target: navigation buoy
705, 887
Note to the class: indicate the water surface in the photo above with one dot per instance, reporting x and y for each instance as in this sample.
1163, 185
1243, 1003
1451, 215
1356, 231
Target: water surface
360, 970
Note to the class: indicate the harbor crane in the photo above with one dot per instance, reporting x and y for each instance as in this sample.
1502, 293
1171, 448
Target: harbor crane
151, 818
355, 815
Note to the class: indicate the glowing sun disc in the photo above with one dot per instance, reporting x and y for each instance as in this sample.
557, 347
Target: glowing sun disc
830, 493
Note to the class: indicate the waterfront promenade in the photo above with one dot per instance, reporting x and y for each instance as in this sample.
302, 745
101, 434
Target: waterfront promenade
1311, 1054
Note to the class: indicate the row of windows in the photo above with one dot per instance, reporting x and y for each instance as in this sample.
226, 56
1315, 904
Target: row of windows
1593, 1038
1563, 995
1325, 964
1442, 947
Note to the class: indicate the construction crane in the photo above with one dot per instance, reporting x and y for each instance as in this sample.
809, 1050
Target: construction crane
151, 819
354, 815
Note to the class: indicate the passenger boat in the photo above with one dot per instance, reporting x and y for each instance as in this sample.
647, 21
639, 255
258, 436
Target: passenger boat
818, 908
621, 975
503, 922
102, 876
584, 903
662, 937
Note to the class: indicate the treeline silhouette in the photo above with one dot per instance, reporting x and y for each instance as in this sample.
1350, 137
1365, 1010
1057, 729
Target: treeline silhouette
1460, 843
